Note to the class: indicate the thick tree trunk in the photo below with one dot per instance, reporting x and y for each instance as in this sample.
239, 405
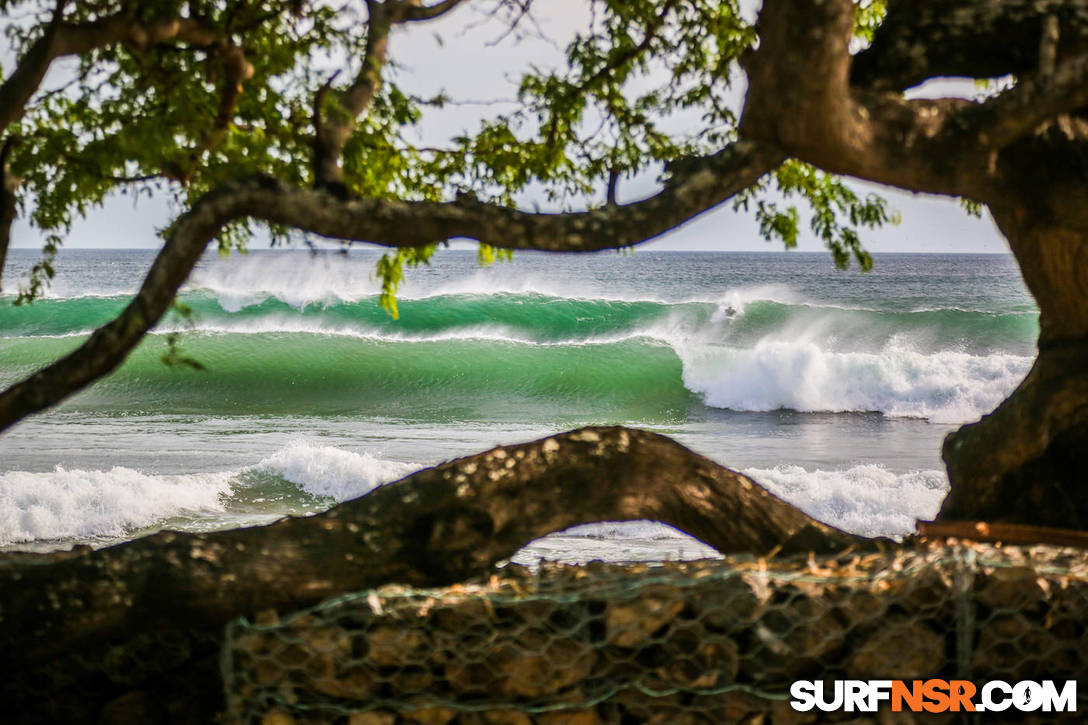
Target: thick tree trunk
438, 526
8, 204
1026, 461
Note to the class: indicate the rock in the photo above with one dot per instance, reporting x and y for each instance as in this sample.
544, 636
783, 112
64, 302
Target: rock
397, 645
794, 634
583, 717
692, 660
495, 717
355, 683
727, 604
739, 706
675, 718
641, 707
472, 678
409, 681
859, 607
1010, 589
132, 708
460, 616
372, 718
630, 622
1013, 647
432, 715
901, 648
544, 663
781, 713
927, 592
277, 717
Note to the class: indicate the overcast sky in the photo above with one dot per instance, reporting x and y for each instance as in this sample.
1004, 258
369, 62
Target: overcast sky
468, 65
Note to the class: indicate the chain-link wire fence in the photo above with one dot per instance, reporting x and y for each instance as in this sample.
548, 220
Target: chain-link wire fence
699, 642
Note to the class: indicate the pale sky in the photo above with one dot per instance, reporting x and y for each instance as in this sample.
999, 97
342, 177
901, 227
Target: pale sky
468, 65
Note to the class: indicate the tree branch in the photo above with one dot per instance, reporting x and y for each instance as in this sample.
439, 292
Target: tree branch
333, 127
800, 100
110, 344
414, 12
1035, 99
922, 39
236, 70
695, 186
9, 185
435, 527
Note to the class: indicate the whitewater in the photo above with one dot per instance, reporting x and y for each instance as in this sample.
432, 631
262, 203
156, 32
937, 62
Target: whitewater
833, 389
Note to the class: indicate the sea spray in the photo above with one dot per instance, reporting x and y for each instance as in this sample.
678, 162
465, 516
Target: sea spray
868, 499
101, 506
327, 472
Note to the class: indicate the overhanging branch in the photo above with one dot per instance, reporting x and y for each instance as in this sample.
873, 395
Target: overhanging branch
1035, 99
800, 100
698, 185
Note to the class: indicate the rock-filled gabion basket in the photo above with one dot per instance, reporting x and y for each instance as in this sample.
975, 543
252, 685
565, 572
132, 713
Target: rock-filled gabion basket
716, 641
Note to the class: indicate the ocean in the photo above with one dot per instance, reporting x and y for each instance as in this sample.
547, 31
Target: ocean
833, 389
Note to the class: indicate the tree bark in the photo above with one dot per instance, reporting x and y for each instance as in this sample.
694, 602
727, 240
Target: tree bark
1023, 152
435, 527
9, 186
923, 39
1025, 462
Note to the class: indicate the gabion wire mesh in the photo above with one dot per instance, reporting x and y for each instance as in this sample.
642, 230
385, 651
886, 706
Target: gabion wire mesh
711, 641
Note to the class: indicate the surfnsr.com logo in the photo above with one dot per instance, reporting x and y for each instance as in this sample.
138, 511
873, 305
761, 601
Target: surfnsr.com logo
934, 696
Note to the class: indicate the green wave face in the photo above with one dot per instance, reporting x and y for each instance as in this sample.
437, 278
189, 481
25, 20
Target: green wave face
303, 373
513, 356
853, 329
541, 318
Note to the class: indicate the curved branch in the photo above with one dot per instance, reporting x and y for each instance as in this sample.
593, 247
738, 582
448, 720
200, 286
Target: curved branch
699, 185
332, 128
436, 527
110, 344
800, 100
414, 12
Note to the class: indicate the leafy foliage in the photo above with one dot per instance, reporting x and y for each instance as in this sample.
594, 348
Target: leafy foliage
830, 201
647, 82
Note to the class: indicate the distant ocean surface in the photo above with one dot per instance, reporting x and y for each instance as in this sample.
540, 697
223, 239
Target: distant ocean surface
834, 389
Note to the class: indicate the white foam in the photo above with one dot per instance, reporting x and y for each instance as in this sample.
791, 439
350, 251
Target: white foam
332, 472
105, 505
867, 499
946, 386
243, 281
74, 504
